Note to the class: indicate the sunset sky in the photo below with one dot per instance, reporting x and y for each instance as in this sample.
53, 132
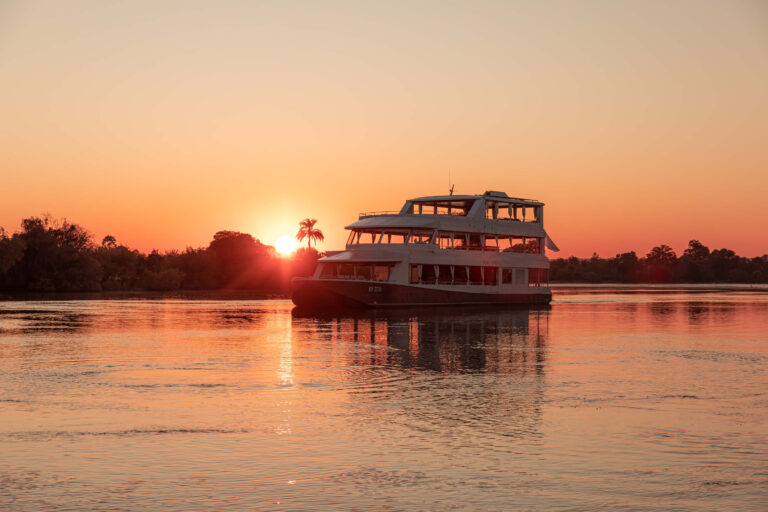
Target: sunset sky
160, 123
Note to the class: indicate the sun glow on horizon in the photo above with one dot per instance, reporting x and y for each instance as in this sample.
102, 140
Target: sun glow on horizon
286, 245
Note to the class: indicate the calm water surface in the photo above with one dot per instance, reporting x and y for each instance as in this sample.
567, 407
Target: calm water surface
609, 400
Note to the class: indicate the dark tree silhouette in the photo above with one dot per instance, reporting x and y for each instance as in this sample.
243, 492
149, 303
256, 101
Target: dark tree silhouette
109, 242
696, 251
627, 267
307, 230
696, 265
241, 261
58, 256
660, 264
11, 251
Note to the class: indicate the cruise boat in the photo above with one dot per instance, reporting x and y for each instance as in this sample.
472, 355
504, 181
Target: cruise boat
437, 250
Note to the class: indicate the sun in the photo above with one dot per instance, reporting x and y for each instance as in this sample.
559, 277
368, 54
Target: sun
285, 245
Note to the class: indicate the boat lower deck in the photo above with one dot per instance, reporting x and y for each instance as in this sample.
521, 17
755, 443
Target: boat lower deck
316, 293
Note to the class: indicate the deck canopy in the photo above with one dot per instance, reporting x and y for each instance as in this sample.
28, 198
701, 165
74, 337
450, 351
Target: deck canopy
489, 195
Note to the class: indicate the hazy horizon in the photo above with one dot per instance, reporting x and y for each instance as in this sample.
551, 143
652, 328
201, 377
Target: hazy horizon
638, 123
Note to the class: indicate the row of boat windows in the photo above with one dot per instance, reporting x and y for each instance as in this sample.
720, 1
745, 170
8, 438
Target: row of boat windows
362, 271
487, 276
437, 274
449, 240
509, 211
440, 207
498, 210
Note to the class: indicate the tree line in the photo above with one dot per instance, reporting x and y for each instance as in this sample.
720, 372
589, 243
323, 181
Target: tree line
49, 255
697, 264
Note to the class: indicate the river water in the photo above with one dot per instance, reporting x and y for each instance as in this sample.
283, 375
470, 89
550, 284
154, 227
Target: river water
612, 399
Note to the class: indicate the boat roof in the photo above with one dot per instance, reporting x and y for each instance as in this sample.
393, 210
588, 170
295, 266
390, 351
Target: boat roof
448, 223
489, 194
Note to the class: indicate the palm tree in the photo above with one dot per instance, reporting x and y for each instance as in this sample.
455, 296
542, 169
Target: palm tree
307, 229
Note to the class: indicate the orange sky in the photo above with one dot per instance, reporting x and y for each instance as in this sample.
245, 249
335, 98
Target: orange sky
638, 123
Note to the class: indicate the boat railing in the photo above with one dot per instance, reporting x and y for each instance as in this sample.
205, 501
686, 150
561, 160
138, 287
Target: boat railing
376, 214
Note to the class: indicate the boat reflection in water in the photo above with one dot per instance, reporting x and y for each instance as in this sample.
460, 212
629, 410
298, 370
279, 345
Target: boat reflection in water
441, 339
440, 370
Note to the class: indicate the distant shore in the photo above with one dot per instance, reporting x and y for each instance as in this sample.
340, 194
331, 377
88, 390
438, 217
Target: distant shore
741, 287
265, 295
144, 295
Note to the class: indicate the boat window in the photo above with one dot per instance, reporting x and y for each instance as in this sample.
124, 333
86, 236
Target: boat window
475, 243
394, 238
490, 243
475, 275
537, 276
500, 210
328, 270
459, 240
505, 211
532, 245
428, 275
445, 240
352, 236
368, 237
529, 213
382, 272
504, 244
444, 274
364, 272
414, 273
518, 244
491, 209
519, 276
506, 276
346, 271
490, 276
421, 237
460, 275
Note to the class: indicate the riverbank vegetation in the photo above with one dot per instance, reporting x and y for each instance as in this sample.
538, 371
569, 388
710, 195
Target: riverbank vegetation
49, 255
697, 264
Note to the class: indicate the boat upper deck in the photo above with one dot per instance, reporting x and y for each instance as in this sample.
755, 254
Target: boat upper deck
490, 212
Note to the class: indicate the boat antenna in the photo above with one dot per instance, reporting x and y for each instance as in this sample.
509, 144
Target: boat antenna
450, 186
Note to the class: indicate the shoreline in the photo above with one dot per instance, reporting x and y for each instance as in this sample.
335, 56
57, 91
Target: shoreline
696, 287
144, 295
263, 295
